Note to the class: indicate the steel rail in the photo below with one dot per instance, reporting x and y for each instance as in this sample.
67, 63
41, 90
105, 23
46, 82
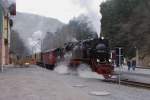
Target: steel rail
127, 82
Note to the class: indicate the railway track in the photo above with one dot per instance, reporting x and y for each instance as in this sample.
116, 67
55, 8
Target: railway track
135, 84
130, 83
143, 67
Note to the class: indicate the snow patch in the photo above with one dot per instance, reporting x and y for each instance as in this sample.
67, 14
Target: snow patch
99, 93
79, 85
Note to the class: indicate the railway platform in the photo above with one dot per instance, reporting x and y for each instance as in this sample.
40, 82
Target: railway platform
138, 75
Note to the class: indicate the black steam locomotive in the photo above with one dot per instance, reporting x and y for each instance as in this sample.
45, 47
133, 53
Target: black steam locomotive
94, 52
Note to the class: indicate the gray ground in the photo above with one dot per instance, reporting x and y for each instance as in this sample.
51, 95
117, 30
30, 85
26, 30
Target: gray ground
139, 75
35, 83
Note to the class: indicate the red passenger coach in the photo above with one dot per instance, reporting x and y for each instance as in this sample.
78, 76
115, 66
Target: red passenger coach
52, 58
49, 59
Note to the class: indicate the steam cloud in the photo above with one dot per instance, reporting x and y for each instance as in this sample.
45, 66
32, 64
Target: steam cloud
92, 10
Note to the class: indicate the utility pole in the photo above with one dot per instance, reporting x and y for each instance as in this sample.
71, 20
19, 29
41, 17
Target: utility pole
120, 64
137, 56
33, 50
41, 46
119, 55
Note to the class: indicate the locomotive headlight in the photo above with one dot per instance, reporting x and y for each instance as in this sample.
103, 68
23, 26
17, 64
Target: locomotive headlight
110, 60
102, 38
98, 60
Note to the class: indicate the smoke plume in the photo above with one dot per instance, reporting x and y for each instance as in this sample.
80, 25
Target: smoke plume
92, 10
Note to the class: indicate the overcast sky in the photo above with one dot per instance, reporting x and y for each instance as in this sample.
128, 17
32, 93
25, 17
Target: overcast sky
64, 10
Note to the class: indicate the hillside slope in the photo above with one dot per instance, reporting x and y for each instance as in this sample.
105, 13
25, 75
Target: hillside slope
126, 23
28, 24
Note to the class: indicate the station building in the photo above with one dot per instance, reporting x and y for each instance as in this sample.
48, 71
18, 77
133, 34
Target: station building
7, 11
